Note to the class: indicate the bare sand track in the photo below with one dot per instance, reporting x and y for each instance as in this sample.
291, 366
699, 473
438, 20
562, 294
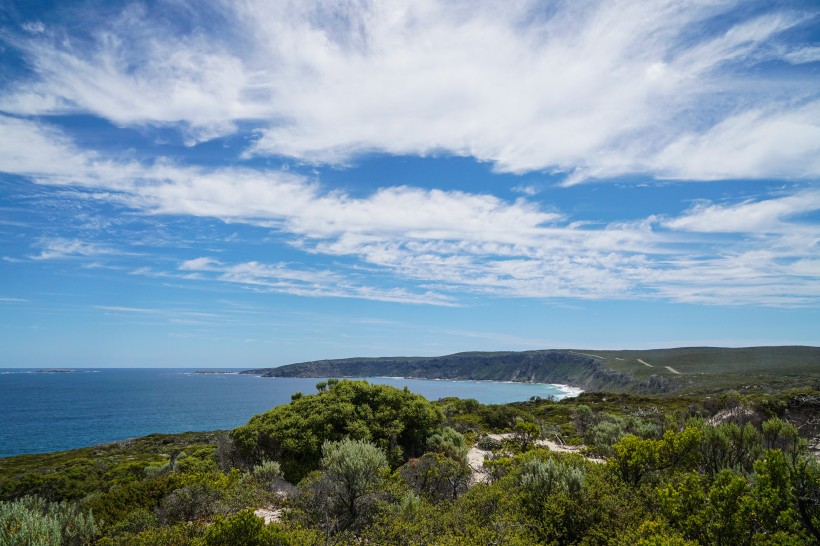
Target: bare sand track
670, 368
476, 456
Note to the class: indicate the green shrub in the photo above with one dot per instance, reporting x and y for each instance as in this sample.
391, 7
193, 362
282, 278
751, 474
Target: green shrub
243, 529
342, 495
31, 521
181, 534
397, 421
267, 474
436, 477
488, 443
448, 442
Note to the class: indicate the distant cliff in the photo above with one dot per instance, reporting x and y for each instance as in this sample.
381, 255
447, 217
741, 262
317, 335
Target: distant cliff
563, 367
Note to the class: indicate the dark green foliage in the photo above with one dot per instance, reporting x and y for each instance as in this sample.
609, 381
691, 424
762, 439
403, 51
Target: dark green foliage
189, 503
397, 421
488, 443
448, 442
636, 459
436, 477
71, 475
243, 529
181, 534
525, 434
730, 445
135, 522
113, 506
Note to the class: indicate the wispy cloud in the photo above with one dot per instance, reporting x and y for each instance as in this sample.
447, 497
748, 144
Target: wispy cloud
58, 248
593, 89
280, 278
765, 216
450, 244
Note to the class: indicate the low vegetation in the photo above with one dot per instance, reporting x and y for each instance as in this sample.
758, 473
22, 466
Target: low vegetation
368, 464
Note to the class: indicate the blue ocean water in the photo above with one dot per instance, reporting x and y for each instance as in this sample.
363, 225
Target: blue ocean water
42, 412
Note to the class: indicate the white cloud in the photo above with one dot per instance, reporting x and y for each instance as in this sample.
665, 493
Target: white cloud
35, 27
784, 143
594, 89
58, 248
760, 217
283, 279
441, 243
33, 149
803, 55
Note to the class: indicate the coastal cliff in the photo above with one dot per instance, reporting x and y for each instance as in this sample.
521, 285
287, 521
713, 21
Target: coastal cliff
548, 366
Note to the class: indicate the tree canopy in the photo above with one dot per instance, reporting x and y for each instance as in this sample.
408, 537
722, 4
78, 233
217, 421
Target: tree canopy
397, 421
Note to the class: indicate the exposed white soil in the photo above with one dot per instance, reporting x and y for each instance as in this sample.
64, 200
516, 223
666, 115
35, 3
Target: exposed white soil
647, 364
270, 514
738, 414
587, 354
476, 456
673, 370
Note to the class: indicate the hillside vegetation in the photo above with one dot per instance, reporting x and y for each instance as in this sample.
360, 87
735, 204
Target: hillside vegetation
357, 463
688, 369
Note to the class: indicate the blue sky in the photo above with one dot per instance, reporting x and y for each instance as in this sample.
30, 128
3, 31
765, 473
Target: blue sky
257, 183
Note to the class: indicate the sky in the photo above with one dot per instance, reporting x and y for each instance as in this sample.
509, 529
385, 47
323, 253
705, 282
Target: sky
248, 183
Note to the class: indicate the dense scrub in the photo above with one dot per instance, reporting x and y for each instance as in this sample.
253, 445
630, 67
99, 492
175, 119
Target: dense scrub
397, 421
377, 465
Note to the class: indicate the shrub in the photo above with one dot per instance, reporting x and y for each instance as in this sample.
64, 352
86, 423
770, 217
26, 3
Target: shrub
31, 521
342, 494
267, 474
243, 529
437, 477
448, 442
190, 503
488, 443
397, 421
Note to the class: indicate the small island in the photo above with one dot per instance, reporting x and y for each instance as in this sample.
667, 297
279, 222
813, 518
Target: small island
59, 370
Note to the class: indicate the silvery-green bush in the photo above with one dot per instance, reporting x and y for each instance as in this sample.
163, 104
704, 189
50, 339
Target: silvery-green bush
31, 521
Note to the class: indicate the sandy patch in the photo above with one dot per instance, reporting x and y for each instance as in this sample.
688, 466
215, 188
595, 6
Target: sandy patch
270, 515
476, 456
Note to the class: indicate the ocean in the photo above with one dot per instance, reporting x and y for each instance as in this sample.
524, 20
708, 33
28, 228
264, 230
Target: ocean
43, 412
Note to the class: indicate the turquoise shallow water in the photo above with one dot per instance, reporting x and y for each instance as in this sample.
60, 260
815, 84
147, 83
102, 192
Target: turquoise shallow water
41, 412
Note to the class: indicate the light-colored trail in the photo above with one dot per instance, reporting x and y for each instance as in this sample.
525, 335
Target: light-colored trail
647, 364
673, 370
476, 456
587, 354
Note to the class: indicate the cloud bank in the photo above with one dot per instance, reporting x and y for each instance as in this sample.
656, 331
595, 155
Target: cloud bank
592, 89
415, 245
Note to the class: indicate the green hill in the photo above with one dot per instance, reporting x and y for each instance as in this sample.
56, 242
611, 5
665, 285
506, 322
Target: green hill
687, 369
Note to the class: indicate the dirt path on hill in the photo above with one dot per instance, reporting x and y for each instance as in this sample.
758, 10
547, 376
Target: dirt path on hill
587, 354
673, 370
647, 364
